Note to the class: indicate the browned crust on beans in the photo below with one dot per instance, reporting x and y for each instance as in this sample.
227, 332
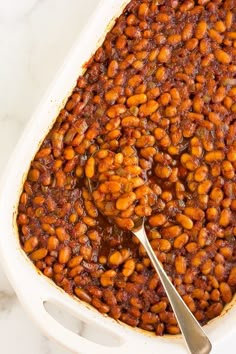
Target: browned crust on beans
151, 123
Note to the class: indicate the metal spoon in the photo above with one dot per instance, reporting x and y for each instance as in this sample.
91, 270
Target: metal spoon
195, 338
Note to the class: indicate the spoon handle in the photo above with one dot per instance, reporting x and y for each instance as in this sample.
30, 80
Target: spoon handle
194, 336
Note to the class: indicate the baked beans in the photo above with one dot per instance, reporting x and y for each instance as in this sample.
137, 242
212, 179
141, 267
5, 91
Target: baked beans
152, 125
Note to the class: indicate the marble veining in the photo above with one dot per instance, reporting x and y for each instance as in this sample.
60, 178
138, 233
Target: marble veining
7, 300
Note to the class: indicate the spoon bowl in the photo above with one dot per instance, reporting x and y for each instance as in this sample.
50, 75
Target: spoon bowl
195, 338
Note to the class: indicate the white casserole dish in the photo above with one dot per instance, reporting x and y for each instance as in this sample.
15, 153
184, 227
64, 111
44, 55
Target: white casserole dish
32, 288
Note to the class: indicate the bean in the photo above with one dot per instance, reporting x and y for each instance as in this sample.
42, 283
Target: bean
86, 252
174, 39
198, 294
198, 259
159, 133
129, 267
148, 108
159, 307
43, 153
180, 241
91, 209
160, 329
202, 237
83, 295
226, 252
173, 329
116, 258
107, 278
171, 231
157, 220
148, 152
231, 35
103, 308
164, 54
130, 320
61, 234
143, 210
179, 190
194, 213
125, 201
163, 171
170, 111
204, 187
217, 195
231, 155
207, 267
145, 141
191, 44
196, 148
215, 35
220, 26
189, 162
185, 221
39, 200
187, 31
69, 153
190, 302
125, 223
222, 56
113, 124
75, 261
38, 254
219, 271
225, 217
180, 265
64, 255
149, 318
201, 173
112, 68
143, 10
109, 297
214, 310
161, 74
60, 179
30, 244
75, 271
116, 110
80, 229
232, 277
136, 100
215, 295
110, 187
228, 170
52, 243
130, 121
226, 292
34, 175
201, 29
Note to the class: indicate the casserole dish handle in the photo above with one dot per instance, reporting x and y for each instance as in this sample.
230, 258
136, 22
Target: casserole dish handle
75, 342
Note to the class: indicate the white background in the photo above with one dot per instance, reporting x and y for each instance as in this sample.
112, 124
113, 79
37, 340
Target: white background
35, 36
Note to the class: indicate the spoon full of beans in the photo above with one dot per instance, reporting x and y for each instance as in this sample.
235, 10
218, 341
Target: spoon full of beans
120, 193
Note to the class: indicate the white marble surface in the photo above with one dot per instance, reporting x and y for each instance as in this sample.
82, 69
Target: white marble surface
35, 36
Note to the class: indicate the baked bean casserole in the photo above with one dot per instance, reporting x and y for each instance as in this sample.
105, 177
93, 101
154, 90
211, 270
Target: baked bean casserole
152, 125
